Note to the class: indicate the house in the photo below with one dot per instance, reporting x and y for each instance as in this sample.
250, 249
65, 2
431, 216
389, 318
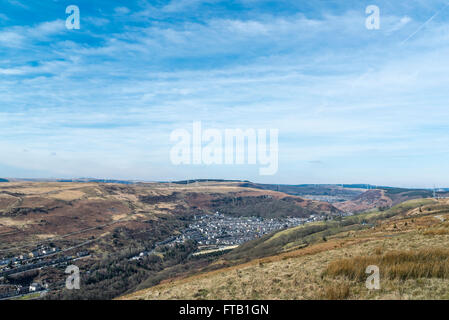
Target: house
35, 287
4, 262
33, 254
21, 290
82, 253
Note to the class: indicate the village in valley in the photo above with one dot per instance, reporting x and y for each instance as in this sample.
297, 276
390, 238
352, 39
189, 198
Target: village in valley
220, 232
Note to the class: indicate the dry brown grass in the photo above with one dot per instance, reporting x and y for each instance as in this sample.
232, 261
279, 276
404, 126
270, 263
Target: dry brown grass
378, 250
441, 229
336, 291
436, 232
299, 275
403, 265
68, 195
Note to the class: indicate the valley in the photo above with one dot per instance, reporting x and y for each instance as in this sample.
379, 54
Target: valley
126, 237
109, 224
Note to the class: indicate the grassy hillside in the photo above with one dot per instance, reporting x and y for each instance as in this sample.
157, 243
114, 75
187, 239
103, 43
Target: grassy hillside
408, 242
302, 236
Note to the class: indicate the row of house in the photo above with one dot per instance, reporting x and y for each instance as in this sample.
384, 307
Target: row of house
40, 252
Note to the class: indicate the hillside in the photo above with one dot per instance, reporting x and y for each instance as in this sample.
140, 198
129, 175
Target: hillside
368, 200
350, 198
327, 260
269, 205
383, 198
131, 236
51, 209
107, 224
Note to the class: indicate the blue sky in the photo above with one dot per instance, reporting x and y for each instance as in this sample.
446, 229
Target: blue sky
352, 105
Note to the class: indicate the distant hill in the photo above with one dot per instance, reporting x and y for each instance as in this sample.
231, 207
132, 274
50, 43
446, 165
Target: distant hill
365, 196
97, 181
366, 201
205, 180
339, 192
268, 206
383, 198
240, 202
3, 180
